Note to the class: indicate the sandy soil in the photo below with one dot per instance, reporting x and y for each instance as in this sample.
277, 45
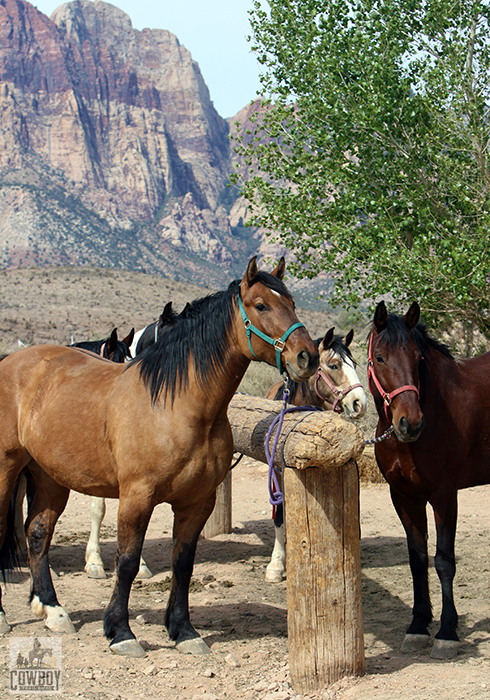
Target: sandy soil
243, 618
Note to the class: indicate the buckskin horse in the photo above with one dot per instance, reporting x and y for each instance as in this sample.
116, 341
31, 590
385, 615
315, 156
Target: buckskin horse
334, 387
155, 430
434, 440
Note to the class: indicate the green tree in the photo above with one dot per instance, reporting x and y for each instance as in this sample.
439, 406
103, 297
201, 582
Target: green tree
369, 155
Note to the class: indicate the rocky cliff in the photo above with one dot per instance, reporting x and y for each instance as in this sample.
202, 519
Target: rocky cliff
111, 152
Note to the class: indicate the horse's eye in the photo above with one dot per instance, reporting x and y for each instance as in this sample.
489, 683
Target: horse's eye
333, 367
379, 359
260, 307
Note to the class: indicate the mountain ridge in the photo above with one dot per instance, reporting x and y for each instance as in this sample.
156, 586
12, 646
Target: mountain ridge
111, 151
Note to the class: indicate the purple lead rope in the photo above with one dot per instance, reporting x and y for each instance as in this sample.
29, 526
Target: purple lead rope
275, 491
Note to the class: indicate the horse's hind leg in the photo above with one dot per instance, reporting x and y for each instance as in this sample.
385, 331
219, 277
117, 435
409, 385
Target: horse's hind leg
8, 544
94, 566
413, 515
188, 524
48, 502
133, 518
446, 642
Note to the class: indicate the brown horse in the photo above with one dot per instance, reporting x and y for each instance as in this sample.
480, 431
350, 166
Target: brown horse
334, 387
440, 442
155, 430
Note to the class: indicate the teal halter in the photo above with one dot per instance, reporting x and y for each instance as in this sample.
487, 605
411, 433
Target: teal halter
278, 344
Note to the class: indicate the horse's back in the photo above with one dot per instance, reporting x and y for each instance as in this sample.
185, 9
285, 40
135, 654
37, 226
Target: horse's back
54, 405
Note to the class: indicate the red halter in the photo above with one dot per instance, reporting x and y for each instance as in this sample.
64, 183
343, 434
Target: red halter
387, 397
338, 393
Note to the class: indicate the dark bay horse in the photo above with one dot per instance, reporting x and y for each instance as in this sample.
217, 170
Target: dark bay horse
111, 348
334, 387
151, 431
440, 443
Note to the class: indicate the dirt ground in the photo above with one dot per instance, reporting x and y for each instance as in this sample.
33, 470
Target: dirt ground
243, 618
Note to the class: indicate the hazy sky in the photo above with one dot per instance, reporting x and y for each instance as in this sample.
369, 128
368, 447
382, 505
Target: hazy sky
214, 31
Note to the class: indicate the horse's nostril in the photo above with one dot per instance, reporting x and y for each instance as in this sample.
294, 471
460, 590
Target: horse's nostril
356, 406
403, 425
303, 359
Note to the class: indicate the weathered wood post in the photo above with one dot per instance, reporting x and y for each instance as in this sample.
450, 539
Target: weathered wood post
325, 628
219, 522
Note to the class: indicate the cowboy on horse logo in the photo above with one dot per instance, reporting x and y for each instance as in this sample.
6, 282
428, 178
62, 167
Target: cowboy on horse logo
35, 665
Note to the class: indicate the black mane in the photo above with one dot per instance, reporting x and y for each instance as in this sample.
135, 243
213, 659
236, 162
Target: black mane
200, 333
119, 355
396, 333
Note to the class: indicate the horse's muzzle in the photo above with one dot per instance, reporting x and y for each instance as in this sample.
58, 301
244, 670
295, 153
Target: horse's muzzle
406, 432
306, 365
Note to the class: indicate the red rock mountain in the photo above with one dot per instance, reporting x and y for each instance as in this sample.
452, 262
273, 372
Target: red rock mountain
111, 152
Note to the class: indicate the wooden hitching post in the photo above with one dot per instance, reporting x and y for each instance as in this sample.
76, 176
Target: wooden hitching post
219, 522
325, 627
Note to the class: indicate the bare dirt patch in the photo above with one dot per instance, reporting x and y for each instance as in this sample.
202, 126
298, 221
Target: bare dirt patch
244, 619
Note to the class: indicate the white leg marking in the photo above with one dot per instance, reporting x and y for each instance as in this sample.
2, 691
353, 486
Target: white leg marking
276, 569
4, 626
144, 571
94, 566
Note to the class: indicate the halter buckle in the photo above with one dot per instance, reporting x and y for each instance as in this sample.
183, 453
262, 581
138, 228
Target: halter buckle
279, 344
387, 400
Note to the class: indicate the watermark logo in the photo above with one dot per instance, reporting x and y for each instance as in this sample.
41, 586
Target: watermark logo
35, 665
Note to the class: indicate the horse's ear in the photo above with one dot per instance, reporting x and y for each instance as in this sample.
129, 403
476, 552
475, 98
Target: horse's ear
280, 268
186, 308
327, 340
112, 342
380, 317
166, 316
128, 340
412, 316
348, 337
252, 269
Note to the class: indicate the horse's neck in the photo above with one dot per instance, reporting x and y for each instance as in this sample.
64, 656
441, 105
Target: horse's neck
308, 390
210, 399
440, 375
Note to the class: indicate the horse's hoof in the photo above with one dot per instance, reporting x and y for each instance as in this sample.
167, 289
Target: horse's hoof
57, 620
196, 647
444, 649
128, 647
274, 576
414, 642
275, 571
95, 571
4, 626
144, 572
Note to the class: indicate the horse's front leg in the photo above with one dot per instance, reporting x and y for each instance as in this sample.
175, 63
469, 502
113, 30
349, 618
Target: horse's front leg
413, 515
134, 514
446, 642
188, 523
276, 569
47, 501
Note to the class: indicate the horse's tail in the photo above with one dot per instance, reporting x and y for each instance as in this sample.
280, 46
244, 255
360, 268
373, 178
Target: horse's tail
10, 549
